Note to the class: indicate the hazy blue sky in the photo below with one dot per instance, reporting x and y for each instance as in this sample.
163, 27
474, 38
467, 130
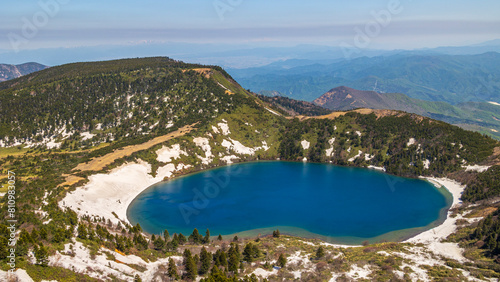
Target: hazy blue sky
413, 24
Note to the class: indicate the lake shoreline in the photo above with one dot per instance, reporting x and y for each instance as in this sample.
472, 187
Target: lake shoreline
88, 200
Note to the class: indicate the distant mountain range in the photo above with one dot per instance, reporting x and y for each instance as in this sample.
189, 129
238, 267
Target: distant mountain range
8, 72
432, 77
479, 116
235, 56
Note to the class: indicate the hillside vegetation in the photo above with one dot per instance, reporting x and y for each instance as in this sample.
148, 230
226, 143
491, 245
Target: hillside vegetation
85, 104
77, 114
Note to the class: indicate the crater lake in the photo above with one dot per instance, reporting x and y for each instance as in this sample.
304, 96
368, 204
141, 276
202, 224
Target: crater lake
336, 204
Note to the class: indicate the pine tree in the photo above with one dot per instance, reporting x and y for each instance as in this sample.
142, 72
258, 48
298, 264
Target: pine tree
223, 259
172, 270
43, 233
41, 256
34, 234
166, 236
206, 259
256, 251
282, 260
82, 231
234, 258
195, 237
320, 252
185, 256
182, 239
248, 253
219, 238
158, 243
276, 234
190, 266
206, 240
173, 244
233, 263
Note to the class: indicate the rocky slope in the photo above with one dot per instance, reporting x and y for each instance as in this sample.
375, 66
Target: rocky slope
8, 72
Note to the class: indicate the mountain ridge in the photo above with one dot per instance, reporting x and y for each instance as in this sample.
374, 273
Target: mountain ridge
8, 72
478, 116
433, 77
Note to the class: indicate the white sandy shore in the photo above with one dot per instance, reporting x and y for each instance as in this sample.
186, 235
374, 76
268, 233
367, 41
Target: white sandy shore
433, 237
113, 192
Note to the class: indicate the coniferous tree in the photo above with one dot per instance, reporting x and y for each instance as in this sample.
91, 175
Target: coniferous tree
158, 243
320, 252
195, 237
276, 234
173, 244
166, 236
282, 260
172, 270
43, 233
256, 251
206, 240
182, 239
190, 266
248, 253
206, 259
234, 258
82, 231
41, 255
187, 254
233, 262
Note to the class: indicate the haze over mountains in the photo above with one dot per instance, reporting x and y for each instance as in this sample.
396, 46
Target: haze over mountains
449, 78
229, 56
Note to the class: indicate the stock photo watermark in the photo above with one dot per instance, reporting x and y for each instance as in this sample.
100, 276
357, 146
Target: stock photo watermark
11, 221
222, 7
363, 35
32, 25
202, 197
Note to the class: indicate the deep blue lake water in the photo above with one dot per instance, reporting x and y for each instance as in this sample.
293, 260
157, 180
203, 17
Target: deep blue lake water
332, 203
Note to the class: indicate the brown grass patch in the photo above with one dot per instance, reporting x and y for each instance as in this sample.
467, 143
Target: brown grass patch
334, 115
100, 163
483, 213
207, 72
496, 155
71, 180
